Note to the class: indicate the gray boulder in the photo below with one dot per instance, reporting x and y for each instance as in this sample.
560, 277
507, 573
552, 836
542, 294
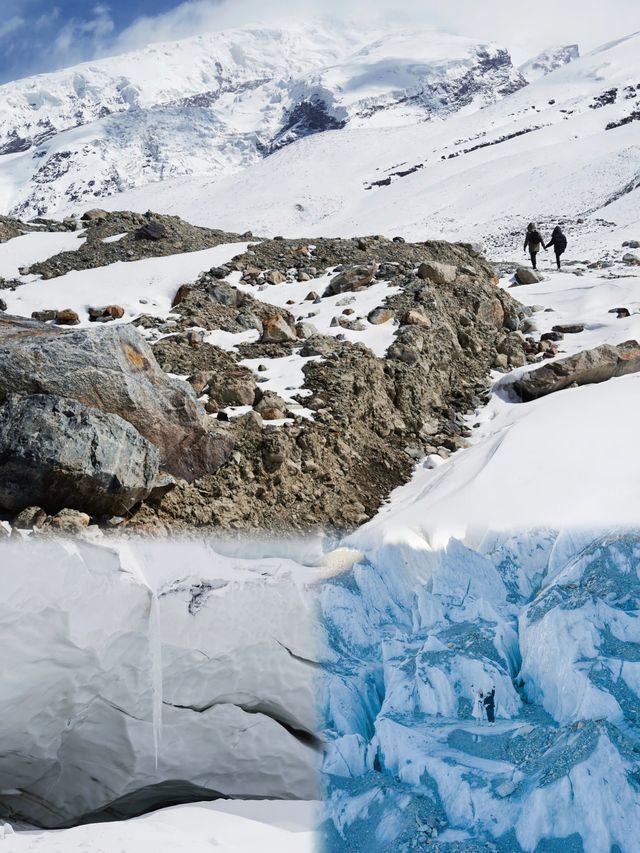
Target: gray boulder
352, 279
57, 453
235, 388
583, 368
112, 369
438, 273
527, 276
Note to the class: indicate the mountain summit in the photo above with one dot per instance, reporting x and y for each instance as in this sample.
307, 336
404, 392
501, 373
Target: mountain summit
214, 104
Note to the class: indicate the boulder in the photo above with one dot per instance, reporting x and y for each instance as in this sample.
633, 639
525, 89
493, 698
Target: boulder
181, 294
569, 328
583, 368
631, 260
512, 346
29, 518
305, 329
151, 231
275, 277
622, 313
491, 311
67, 317
106, 313
380, 315
119, 375
416, 318
353, 278
272, 407
57, 453
276, 329
44, 316
96, 214
527, 276
234, 388
3, 305
69, 521
437, 273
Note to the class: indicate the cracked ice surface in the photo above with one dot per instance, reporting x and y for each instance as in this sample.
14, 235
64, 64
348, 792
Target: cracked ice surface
550, 619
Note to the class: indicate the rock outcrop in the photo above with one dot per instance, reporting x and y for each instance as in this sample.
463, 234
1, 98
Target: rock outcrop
583, 368
114, 370
56, 453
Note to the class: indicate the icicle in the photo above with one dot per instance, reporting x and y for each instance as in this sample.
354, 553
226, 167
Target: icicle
155, 651
131, 563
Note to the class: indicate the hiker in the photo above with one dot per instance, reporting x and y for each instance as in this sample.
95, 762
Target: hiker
559, 243
534, 242
478, 706
490, 705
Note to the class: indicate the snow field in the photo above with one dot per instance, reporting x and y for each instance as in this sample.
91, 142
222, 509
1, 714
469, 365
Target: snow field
140, 287
224, 827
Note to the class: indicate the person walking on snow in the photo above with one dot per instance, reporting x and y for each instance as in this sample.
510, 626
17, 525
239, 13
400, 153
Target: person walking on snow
534, 242
478, 706
490, 705
559, 243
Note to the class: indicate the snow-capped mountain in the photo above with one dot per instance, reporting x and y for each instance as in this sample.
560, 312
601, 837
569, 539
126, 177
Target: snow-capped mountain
548, 61
215, 104
565, 146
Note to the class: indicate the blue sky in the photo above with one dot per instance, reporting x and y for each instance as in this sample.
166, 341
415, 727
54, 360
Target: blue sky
42, 35
38, 35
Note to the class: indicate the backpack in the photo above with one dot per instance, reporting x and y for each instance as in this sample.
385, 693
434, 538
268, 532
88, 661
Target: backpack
560, 243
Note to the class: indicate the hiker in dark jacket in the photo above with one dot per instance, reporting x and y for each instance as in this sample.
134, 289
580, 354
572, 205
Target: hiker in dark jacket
559, 243
534, 242
490, 705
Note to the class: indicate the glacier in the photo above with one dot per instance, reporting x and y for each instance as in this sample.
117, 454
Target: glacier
215, 104
142, 674
550, 618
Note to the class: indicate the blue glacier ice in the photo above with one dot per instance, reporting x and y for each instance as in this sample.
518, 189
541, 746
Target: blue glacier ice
413, 633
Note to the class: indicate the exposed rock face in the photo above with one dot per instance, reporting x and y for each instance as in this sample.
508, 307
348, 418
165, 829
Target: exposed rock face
548, 61
56, 453
176, 237
119, 375
371, 415
584, 368
356, 420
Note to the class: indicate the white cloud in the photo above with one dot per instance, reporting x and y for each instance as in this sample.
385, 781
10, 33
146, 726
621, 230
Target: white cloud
85, 35
10, 26
525, 30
